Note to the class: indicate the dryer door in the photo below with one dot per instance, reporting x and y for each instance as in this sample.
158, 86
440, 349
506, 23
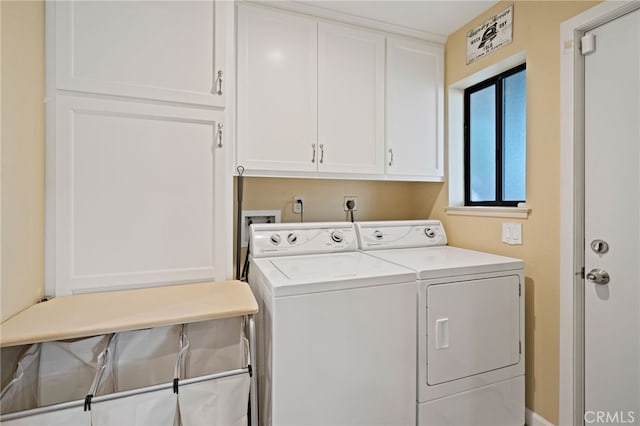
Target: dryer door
473, 327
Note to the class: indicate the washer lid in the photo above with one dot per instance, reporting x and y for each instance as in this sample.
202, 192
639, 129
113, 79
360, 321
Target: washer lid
445, 261
328, 272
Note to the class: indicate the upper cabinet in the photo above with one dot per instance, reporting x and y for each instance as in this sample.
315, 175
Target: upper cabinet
310, 95
277, 91
138, 169
414, 113
165, 50
314, 100
350, 100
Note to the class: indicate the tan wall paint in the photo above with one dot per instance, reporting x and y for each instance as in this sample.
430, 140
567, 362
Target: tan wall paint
323, 198
536, 31
22, 49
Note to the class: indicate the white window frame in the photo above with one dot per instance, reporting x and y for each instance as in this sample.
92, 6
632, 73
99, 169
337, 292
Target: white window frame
456, 144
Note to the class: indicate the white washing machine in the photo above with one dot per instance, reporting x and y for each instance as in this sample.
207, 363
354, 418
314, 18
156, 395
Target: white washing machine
336, 329
470, 324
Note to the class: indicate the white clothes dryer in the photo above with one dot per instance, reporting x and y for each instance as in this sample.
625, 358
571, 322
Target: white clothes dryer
336, 329
470, 324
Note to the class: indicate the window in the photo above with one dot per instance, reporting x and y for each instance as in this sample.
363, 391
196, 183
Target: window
495, 140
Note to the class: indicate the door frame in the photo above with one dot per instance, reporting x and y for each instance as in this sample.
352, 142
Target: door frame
572, 190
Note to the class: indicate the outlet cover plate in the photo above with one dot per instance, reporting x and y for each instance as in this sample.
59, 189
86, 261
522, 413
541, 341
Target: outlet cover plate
347, 198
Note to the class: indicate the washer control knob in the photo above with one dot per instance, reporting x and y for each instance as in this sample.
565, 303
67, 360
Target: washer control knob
292, 238
429, 232
275, 239
377, 234
337, 236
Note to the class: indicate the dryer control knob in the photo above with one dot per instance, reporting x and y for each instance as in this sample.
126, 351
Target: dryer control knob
275, 239
429, 232
337, 236
377, 234
292, 238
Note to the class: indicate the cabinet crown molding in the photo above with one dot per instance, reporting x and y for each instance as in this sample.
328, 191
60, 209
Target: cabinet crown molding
372, 24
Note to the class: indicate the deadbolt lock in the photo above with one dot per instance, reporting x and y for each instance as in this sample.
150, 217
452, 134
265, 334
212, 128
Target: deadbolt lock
599, 246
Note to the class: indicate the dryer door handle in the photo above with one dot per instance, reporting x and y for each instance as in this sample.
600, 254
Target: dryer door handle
442, 333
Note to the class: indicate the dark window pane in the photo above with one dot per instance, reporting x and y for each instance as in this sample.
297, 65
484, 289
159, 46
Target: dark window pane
482, 127
514, 137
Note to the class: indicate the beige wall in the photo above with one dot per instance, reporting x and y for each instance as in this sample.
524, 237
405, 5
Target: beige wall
22, 48
536, 31
323, 198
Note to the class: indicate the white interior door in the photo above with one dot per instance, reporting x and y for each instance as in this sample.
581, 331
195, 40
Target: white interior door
612, 215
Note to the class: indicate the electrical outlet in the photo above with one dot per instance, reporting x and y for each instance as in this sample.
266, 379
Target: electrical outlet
350, 198
297, 206
257, 216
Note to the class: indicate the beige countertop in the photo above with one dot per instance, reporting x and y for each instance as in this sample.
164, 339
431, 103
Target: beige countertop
100, 313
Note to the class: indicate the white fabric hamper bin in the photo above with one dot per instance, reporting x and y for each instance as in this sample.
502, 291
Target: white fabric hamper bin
144, 358
212, 347
73, 416
137, 360
216, 402
51, 373
215, 346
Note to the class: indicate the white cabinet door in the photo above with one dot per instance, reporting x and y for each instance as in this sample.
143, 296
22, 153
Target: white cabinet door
140, 195
165, 50
277, 90
350, 100
414, 110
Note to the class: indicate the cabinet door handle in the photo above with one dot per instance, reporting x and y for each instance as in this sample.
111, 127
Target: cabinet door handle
390, 157
313, 159
220, 126
219, 83
321, 153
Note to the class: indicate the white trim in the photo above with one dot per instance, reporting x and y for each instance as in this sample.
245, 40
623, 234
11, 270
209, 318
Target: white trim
532, 418
455, 124
50, 150
571, 204
512, 212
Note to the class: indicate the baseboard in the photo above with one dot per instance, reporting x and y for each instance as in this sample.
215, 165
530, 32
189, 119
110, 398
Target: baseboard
534, 419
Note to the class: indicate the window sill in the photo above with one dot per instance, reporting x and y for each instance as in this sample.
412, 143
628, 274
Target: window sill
511, 212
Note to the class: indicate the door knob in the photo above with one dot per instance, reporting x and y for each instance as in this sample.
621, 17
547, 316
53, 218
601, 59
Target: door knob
598, 276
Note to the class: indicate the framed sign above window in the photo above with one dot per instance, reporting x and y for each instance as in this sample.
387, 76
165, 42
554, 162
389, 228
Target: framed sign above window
493, 34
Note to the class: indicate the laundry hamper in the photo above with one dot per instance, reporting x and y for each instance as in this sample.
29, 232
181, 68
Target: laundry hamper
53, 373
132, 389
151, 376
216, 351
